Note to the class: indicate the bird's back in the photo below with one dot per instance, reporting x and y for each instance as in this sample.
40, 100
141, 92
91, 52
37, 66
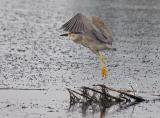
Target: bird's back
101, 30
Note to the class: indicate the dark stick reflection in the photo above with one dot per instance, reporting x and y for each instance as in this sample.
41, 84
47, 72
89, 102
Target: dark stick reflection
101, 99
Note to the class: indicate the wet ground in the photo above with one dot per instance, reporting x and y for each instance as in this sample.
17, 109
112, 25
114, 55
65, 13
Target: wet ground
33, 56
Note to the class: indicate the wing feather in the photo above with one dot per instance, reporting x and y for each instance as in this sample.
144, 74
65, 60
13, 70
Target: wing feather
101, 37
78, 23
104, 30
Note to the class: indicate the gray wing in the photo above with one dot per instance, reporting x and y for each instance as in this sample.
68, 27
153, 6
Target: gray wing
104, 34
99, 36
78, 23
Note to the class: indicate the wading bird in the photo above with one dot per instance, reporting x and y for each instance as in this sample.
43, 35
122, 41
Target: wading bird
92, 33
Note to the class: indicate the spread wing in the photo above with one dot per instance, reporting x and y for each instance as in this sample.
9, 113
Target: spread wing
78, 23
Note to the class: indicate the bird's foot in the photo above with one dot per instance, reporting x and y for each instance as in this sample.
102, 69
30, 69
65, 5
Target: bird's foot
103, 72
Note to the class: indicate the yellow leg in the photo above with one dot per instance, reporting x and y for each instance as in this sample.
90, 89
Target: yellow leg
102, 66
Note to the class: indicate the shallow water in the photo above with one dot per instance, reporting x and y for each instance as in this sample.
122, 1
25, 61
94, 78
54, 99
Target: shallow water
33, 55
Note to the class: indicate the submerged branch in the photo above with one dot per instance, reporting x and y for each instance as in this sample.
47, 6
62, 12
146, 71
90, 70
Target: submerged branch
137, 98
103, 96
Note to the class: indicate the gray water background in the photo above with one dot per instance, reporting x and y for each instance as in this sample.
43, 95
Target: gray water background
33, 55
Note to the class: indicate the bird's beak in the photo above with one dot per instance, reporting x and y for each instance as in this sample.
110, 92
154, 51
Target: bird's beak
64, 34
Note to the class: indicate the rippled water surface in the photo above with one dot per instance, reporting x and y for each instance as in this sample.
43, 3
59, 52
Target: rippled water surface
33, 56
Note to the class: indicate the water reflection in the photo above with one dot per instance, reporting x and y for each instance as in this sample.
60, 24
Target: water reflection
103, 112
103, 101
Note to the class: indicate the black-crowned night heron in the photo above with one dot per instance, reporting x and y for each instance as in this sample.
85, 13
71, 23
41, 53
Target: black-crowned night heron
92, 33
